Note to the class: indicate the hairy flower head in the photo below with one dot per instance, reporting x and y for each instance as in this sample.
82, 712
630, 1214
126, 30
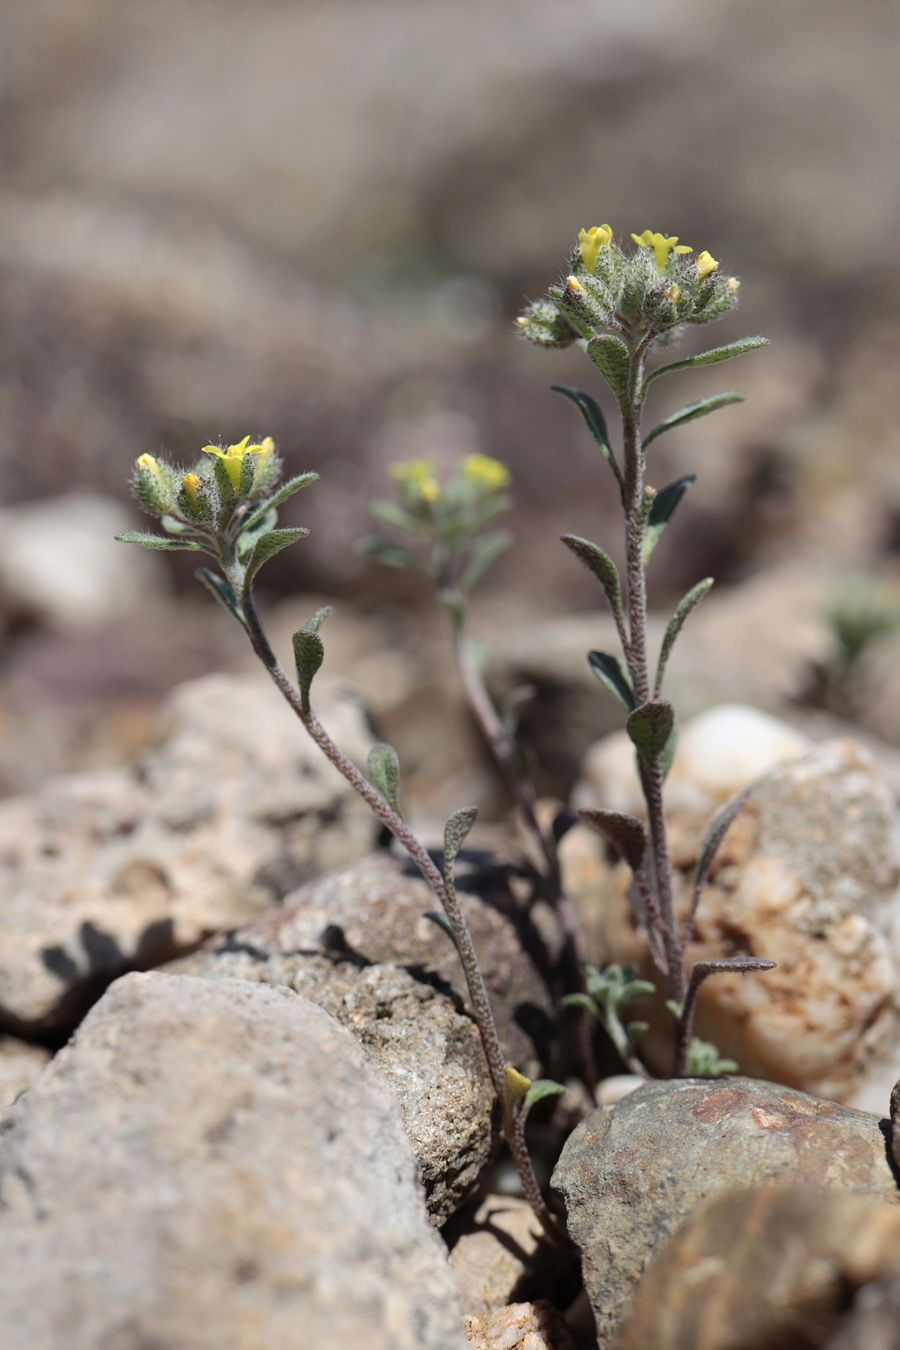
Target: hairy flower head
233, 455
662, 246
485, 473
591, 241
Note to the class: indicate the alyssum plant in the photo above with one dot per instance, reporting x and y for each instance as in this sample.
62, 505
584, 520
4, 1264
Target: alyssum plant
618, 307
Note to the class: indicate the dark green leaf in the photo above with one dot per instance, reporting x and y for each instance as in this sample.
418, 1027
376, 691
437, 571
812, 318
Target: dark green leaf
440, 918
610, 672
662, 509
676, 623
268, 545
455, 831
692, 411
711, 357
596, 422
602, 566
223, 592
540, 1088
309, 653
624, 832
650, 726
384, 773
485, 551
286, 490
613, 360
160, 541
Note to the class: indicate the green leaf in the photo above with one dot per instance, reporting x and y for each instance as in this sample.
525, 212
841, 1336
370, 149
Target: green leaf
613, 360
710, 358
384, 773
268, 545
223, 592
609, 671
286, 490
662, 508
485, 551
541, 1088
455, 831
580, 1001
596, 423
650, 728
440, 918
634, 1031
703, 1061
315, 623
602, 566
247, 537
174, 526
715, 833
392, 555
160, 541
309, 653
624, 832
512, 705
676, 623
391, 514
692, 411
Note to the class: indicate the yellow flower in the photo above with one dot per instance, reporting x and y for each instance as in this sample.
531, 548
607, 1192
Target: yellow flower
149, 463
486, 473
233, 456
662, 246
573, 284
191, 484
417, 475
591, 241
705, 264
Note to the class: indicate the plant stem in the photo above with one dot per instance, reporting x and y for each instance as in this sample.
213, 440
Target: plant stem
478, 993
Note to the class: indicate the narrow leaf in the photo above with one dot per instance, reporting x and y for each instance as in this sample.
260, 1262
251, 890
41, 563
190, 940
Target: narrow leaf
711, 357
611, 357
455, 831
440, 918
692, 411
268, 545
384, 773
160, 541
286, 490
624, 832
580, 1001
676, 623
609, 671
485, 551
602, 566
174, 526
650, 726
315, 623
392, 555
541, 1088
596, 423
712, 840
662, 508
223, 592
391, 514
309, 653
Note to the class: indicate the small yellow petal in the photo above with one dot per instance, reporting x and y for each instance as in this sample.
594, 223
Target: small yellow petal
573, 284
191, 484
705, 264
683, 248
149, 463
733, 283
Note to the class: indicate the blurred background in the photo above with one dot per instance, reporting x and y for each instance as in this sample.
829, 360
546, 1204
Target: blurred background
316, 220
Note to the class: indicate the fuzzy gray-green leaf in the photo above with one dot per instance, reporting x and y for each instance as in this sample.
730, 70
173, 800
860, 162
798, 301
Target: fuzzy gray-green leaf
602, 566
710, 358
267, 545
662, 508
384, 773
611, 357
692, 411
455, 832
650, 727
160, 541
309, 653
286, 490
541, 1088
624, 832
676, 623
596, 423
223, 592
609, 671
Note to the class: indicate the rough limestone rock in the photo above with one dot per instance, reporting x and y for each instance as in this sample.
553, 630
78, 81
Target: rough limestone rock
873, 1323
427, 1049
113, 870
807, 876
766, 1267
631, 1173
520, 1326
20, 1066
496, 1255
215, 1166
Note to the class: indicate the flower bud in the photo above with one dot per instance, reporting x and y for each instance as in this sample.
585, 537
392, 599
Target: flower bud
543, 324
151, 487
587, 302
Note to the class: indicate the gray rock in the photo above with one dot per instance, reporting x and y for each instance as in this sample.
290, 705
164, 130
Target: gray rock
108, 871
217, 1166
428, 1051
21, 1065
631, 1173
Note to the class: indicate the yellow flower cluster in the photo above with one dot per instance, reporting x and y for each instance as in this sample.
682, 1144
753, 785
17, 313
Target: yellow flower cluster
486, 473
233, 456
418, 475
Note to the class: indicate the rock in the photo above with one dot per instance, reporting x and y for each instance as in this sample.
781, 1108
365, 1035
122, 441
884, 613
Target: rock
61, 565
873, 1323
521, 1326
497, 1253
761, 1268
21, 1065
106, 871
619, 1085
427, 1049
246, 1176
630, 1174
807, 876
